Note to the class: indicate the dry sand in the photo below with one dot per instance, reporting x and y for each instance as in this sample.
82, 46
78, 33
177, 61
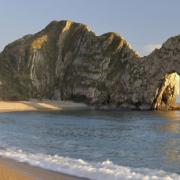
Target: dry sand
34, 105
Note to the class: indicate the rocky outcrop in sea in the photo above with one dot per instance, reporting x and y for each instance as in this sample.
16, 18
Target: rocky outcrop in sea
68, 61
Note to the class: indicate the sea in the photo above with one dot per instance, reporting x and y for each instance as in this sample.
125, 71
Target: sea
97, 145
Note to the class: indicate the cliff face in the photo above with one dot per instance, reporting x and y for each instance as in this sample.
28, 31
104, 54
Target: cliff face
67, 61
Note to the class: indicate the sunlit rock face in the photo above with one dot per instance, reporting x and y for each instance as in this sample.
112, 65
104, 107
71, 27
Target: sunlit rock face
67, 61
167, 93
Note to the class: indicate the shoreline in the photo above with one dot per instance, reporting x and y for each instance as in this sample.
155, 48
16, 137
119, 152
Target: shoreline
58, 105
44, 105
13, 170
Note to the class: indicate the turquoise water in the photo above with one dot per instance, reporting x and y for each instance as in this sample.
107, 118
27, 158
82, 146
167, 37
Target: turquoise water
91, 143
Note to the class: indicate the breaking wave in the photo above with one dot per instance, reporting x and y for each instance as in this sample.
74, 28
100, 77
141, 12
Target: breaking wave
100, 171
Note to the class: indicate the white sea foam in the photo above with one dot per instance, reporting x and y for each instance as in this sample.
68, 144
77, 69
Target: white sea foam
101, 171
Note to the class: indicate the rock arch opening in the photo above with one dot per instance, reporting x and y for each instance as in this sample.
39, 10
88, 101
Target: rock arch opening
166, 98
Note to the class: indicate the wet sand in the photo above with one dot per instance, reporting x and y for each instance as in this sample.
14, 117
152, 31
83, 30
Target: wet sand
13, 170
44, 105
7, 173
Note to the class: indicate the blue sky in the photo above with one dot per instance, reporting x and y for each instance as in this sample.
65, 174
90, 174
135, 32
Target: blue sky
144, 23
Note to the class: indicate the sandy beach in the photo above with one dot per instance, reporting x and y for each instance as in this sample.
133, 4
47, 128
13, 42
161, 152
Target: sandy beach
44, 105
7, 173
12, 170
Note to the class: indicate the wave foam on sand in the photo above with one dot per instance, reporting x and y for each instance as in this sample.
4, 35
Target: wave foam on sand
102, 170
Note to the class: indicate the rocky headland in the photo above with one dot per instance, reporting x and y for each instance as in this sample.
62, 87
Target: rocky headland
68, 61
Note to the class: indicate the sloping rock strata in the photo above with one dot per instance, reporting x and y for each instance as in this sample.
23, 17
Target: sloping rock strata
67, 61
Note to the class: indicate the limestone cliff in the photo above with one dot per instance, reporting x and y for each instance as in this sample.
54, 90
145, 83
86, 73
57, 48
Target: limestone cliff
67, 61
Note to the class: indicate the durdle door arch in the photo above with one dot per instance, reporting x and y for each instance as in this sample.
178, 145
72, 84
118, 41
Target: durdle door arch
165, 65
67, 60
